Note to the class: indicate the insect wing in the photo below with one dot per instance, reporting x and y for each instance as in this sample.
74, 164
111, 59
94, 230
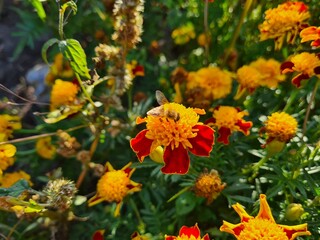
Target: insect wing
161, 99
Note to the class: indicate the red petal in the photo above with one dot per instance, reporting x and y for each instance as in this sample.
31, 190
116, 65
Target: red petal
206, 237
98, 235
286, 67
141, 145
224, 134
190, 231
170, 238
317, 70
210, 120
176, 160
244, 126
316, 43
297, 79
202, 144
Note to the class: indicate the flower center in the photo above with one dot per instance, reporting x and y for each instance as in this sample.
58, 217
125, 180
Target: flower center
173, 127
227, 117
262, 229
113, 186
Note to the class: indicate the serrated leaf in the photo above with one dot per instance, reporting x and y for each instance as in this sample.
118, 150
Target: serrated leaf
16, 189
46, 46
73, 51
39, 8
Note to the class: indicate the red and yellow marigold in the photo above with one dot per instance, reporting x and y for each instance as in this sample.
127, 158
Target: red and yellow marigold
306, 64
284, 22
263, 226
311, 34
229, 119
114, 186
188, 233
178, 130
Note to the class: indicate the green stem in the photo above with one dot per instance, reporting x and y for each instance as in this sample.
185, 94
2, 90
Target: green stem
304, 129
291, 99
206, 31
84, 90
61, 22
237, 31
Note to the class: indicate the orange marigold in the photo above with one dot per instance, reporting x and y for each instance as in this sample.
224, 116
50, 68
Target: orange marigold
263, 226
227, 120
284, 21
63, 93
306, 64
7, 152
114, 185
311, 34
188, 233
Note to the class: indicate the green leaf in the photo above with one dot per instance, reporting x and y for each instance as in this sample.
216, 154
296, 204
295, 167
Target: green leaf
46, 46
16, 189
185, 203
39, 8
73, 51
70, 4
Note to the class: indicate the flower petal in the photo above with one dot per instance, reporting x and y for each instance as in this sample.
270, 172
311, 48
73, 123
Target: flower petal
202, 144
141, 145
244, 126
294, 231
224, 134
176, 161
265, 211
286, 67
190, 231
297, 79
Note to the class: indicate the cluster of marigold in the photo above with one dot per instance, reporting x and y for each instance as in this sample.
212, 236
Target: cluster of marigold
176, 130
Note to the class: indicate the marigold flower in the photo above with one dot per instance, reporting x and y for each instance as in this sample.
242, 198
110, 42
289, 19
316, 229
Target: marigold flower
286, 20
249, 78
227, 120
306, 64
114, 185
188, 233
209, 185
8, 124
63, 93
216, 83
263, 226
45, 149
177, 129
280, 126
270, 72
8, 179
311, 34
7, 152
183, 34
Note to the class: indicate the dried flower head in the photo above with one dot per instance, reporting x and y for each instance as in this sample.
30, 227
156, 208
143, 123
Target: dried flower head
263, 226
284, 21
67, 146
209, 185
60, 193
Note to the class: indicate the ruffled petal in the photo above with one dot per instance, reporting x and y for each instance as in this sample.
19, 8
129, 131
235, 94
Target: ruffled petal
190, 231
294, 231
202, 144
297, 79
224, 134
286, 67
141, 145
244, 126
176, 161
265, 211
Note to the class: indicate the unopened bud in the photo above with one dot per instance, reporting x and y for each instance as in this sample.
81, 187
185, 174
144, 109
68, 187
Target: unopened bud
157, 155
294, 211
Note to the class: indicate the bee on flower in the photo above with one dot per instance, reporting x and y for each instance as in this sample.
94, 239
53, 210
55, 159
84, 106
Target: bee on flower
188, 233
114, 186
263, 226
178, 130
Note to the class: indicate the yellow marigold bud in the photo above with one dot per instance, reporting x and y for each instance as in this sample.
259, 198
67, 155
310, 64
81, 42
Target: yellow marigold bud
157, 155
209, 185
294, 211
